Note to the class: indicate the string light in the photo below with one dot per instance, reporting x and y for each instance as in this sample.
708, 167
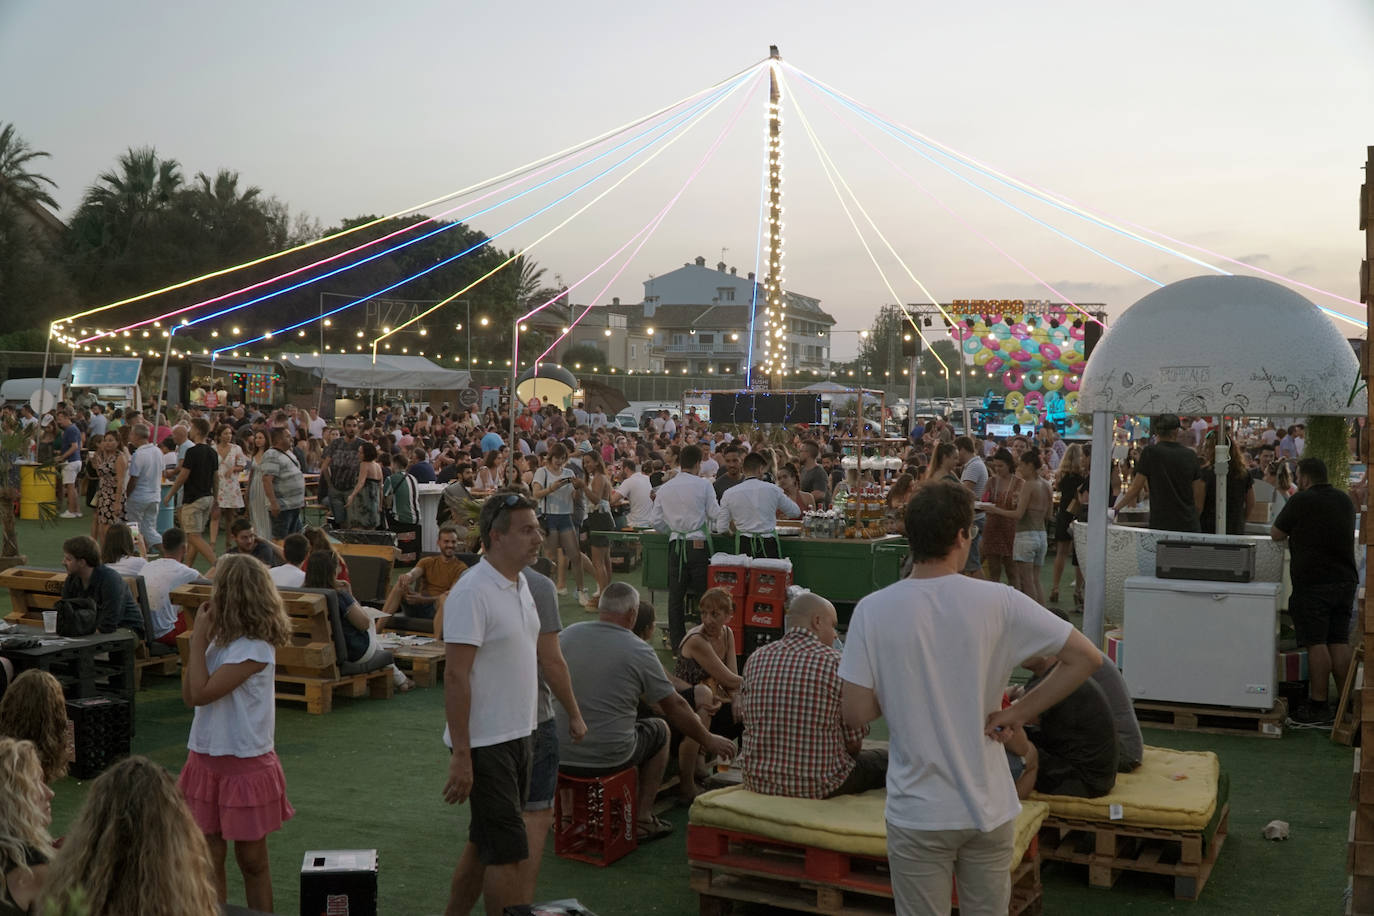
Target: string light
775, 313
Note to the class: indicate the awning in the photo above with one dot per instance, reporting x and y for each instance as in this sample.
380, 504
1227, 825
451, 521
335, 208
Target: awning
358, 371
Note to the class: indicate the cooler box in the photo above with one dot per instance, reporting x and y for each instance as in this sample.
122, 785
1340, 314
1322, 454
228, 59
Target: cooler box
339, 882
1192, 641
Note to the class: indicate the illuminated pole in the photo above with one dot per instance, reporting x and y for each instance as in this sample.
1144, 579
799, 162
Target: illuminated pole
775, 309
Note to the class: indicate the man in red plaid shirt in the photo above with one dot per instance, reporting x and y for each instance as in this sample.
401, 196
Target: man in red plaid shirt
795, 743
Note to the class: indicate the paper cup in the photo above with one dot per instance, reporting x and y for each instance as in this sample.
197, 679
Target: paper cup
50, 621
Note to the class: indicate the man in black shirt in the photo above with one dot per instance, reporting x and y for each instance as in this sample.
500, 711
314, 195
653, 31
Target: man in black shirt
1318, 523
115, 607
733, 458
814, 480
1075, 739
197, 476
1170, 468
247, 541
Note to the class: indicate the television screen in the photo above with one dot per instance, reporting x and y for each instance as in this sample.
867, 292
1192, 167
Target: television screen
752, 409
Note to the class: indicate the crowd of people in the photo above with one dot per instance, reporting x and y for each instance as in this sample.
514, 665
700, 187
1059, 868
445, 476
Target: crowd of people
526, 698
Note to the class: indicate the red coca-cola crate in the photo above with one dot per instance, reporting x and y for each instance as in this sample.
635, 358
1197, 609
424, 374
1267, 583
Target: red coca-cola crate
733, 579
763, 613
594, 819
765, 582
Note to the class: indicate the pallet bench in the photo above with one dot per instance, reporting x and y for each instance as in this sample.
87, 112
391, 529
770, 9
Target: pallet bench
728, 866
308, 667
33, 591
1214, 720
1110, 849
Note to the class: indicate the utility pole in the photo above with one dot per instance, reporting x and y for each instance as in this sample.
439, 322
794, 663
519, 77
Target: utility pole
775, 309
1362, 868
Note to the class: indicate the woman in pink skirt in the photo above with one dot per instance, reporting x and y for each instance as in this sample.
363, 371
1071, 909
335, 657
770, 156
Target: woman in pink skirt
233, 781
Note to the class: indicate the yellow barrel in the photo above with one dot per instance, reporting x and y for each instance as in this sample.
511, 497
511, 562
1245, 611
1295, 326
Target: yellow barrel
37, 485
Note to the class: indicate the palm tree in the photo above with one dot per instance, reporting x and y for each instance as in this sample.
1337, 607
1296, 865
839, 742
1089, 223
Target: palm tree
528, 275
125, 197
16, 156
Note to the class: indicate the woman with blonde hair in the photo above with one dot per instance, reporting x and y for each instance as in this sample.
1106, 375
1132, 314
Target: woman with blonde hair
232, 780
134, 849
25, 813
34, 709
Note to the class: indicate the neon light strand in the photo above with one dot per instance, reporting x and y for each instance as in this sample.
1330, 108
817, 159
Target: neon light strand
384, 238
827, 165
1099, 218
649, 227
572, 150
963, 222
692, 113
565, 222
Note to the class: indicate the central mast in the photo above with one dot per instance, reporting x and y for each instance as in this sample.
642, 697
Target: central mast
775, 348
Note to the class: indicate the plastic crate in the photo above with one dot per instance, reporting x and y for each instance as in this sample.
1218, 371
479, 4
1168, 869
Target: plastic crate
734, 579
594, 819
763, 613
754, 637
767, 581
102, 727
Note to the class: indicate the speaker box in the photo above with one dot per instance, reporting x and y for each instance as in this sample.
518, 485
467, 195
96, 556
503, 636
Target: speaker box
1092, 333
337, 881
911, 344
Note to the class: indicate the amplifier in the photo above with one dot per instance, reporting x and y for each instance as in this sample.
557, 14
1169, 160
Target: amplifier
1205, 560
339, 882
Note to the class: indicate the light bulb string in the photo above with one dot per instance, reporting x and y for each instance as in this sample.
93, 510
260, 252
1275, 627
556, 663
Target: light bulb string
696, 120
827, 166
649, 228
571, 150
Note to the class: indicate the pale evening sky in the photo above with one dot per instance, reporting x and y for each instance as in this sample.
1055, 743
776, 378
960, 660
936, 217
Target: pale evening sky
1238, 126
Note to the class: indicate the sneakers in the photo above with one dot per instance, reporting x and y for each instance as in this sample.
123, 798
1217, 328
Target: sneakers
69, 515
1312, 714
583, 598
562, 592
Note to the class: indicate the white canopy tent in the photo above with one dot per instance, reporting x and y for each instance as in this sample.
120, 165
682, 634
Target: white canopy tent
395, 372
1208, 346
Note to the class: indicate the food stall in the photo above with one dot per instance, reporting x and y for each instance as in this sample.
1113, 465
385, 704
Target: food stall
1181, 350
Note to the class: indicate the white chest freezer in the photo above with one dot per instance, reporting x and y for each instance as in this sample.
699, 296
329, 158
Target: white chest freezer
1189, 641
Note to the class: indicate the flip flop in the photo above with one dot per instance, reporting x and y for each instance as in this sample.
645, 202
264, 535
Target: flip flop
650, 830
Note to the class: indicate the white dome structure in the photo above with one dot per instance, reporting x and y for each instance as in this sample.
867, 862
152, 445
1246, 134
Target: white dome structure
1227, 346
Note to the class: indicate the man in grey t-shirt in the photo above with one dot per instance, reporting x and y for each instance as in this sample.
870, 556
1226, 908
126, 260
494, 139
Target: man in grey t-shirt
974, 477
612, 669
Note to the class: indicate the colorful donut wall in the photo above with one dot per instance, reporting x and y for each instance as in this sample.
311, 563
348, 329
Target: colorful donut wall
1036, 353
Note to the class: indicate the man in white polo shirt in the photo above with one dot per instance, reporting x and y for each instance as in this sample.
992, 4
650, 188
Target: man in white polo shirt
491, 630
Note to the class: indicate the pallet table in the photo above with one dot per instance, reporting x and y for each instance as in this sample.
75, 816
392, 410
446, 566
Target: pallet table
1214, 720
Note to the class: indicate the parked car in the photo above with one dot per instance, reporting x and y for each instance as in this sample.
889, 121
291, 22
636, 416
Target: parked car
626, 422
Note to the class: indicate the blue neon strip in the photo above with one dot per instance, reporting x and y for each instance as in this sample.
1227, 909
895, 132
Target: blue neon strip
900, 136
667, 127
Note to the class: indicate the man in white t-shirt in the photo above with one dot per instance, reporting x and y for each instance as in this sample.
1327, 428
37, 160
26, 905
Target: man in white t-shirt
491, 631
932, 653
638, 492
162, 575
291, 574
1199, 431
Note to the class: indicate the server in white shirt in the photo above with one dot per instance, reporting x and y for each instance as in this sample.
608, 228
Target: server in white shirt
636, 490
753, 505
685, 507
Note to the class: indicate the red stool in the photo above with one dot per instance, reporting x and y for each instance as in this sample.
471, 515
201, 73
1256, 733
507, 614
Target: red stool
594, 818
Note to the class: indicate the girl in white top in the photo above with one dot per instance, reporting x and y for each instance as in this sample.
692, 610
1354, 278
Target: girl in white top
554, 487
233, 781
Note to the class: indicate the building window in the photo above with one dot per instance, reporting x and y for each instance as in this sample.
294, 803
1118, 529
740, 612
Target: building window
679, 340
725, 293
634, 350
707, 340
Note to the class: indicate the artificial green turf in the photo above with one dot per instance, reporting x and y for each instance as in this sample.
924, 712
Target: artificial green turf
369, 774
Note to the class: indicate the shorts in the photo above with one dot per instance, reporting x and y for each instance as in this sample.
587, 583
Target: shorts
70, 471
544, 768
237, 798
651, 735
557, 523
194, 515
500, 787
1030, 547
1322, 613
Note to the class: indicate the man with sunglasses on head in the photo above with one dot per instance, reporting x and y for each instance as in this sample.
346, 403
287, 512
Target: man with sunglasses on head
339, 469
492, 664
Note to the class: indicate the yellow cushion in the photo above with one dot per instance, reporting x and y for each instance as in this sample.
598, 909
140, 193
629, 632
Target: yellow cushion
1173, 790
850, 823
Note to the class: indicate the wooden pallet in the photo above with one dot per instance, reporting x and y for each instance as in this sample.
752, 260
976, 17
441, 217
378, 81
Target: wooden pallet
318, 693
1108, 849
165, 665
1214, 720
728, 866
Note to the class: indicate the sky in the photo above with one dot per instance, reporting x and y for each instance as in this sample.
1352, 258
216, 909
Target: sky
1241, 127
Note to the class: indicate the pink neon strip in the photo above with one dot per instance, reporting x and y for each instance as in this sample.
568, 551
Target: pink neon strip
647, 232
926, 191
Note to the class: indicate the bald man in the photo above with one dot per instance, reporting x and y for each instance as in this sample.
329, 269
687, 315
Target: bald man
795, 741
